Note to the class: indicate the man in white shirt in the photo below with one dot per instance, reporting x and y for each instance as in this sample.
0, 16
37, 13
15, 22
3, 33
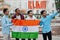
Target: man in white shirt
30, 17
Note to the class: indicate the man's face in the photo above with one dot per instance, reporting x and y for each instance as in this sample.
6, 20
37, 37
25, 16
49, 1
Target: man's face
30, 14
44, 14
7, 12
18, 11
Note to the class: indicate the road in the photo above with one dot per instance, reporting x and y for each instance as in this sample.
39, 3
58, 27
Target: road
57, 37
54, 37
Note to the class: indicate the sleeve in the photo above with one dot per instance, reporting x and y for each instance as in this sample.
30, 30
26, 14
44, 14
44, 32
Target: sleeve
4, 22
22, 17
13, 17
53, 14
41, 24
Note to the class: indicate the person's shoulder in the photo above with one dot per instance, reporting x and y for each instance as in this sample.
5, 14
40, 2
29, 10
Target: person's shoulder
41, 18
49, 15
14, 16
4, 16
21, 14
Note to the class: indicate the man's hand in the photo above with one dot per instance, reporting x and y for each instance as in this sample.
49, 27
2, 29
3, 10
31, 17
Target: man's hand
40, 29
11, 29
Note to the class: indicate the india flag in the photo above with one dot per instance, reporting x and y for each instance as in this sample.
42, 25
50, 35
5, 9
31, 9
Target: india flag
25, 28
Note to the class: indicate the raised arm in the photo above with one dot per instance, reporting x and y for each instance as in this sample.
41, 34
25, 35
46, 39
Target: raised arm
53, 14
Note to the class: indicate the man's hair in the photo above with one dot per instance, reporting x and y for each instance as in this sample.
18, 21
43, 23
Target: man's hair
5, 9
16, 9
29, 11
42, 12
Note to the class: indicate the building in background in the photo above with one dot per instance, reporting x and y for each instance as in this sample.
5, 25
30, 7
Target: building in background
35, 5
25, 5
57, 4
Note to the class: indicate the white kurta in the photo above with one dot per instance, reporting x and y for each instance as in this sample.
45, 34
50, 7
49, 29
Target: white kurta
18, 17
29, 18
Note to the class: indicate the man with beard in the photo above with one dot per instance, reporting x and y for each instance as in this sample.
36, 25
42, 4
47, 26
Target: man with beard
19, 16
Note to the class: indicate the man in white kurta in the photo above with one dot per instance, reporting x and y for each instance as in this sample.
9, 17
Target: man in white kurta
30, 17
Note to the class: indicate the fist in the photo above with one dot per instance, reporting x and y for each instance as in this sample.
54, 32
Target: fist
40, 29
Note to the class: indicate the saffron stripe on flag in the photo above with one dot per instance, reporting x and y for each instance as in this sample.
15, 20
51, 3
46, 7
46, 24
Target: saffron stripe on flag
26, 22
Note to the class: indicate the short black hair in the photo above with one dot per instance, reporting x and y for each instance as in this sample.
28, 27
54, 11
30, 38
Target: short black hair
29, 11
16, 9
42, 11
5, 9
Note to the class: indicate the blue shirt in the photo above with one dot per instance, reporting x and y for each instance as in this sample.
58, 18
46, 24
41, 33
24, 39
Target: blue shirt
45, 22
6, 23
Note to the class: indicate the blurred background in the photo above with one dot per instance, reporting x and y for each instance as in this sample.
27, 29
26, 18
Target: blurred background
36, 6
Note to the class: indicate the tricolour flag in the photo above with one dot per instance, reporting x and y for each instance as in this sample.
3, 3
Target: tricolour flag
25, 28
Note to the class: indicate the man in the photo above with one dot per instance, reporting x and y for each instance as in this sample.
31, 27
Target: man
6, 24
18, 16
45, 23
30, 17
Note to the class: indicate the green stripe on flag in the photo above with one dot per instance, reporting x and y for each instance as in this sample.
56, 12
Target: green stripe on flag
24, 34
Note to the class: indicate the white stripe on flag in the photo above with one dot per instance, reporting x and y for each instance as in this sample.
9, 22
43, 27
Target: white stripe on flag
25, 29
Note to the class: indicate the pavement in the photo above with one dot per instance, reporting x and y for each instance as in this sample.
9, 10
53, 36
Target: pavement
55, 37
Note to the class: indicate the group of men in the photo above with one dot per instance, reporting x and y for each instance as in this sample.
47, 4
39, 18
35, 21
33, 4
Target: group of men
44, 23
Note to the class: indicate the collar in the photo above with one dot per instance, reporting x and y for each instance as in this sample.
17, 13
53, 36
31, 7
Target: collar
5, 15
30, 17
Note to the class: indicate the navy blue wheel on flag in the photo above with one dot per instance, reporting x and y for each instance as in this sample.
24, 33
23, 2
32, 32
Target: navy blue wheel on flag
25, 29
